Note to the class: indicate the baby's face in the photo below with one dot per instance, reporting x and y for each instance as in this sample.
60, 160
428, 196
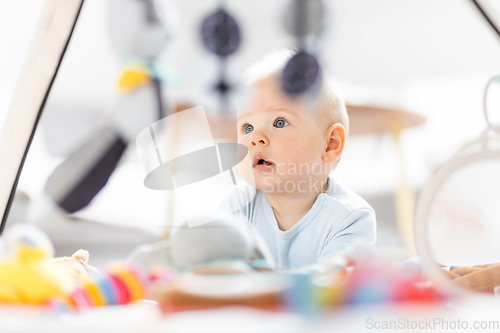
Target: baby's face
285, 142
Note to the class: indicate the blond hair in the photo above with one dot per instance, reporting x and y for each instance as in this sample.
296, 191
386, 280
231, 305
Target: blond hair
271, 66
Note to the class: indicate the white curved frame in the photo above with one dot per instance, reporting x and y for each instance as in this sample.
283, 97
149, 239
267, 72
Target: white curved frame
424, 203
47, 49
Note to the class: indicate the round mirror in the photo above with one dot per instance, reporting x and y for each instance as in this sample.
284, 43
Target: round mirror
458, 220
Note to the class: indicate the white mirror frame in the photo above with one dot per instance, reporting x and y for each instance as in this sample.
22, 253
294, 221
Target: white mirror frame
473, 152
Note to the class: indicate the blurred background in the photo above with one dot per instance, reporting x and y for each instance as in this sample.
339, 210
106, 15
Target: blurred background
430, 58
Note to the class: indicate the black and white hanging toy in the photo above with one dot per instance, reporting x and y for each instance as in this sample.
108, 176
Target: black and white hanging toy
304, 20
221, 36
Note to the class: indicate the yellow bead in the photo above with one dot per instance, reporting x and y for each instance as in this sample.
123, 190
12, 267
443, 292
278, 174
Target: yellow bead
132, 79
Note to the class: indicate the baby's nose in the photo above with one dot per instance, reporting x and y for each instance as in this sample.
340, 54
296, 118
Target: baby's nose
259, 139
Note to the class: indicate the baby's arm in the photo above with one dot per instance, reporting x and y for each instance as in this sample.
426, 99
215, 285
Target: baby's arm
358, 229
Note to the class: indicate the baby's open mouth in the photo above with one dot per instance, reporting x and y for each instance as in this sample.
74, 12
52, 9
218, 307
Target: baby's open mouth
264, 162
261, 163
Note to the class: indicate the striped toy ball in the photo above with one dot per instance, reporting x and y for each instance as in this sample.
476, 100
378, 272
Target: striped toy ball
119, 283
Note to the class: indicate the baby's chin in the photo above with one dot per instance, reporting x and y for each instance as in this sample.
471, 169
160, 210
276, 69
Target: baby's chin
259, 180
247, 173
282, 183
289, 186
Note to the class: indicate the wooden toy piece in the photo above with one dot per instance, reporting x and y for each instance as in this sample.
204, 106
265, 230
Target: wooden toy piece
365, 119
207, 270
197, 292
174, 300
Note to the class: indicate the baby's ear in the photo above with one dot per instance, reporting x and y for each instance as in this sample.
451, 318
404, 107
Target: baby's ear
334, 143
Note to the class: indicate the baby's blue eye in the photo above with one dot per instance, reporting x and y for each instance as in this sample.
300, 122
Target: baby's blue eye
280, 123
248, 128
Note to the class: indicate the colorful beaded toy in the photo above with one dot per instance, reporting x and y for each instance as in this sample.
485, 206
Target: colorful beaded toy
119, 283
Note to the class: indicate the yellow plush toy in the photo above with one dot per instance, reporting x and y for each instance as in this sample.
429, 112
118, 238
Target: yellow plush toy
27, 274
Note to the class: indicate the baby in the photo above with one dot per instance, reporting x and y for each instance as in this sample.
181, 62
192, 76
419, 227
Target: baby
302, 213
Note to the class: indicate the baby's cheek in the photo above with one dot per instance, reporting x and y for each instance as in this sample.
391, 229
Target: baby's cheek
307, 157
295, 159
299, 168
246, 170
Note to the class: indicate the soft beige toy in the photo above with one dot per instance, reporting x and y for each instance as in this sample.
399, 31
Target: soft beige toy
77, 264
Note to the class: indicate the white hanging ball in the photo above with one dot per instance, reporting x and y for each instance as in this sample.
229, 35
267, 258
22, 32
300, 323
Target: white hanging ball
141, 28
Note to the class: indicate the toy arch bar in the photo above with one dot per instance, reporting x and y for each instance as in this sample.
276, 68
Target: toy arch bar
49, 44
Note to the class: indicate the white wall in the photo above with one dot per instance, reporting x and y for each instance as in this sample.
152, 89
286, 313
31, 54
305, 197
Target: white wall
430, 57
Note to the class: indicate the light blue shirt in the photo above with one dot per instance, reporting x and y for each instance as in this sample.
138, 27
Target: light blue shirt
338, 219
